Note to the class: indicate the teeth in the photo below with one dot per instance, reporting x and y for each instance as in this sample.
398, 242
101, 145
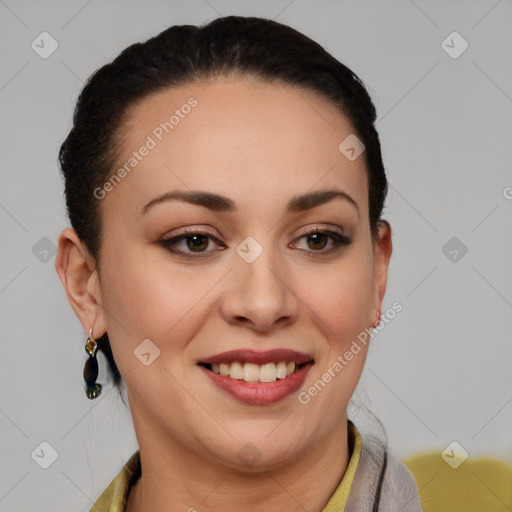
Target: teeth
236, 371
268, 373
281, 370
250, 372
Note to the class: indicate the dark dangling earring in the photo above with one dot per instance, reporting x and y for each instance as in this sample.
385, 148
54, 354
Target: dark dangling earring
92, 390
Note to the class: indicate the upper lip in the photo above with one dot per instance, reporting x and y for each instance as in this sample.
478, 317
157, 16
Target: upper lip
258, 357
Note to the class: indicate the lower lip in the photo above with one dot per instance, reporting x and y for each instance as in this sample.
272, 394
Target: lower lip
259, 393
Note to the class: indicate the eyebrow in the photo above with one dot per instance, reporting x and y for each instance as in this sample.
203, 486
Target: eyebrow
220, 203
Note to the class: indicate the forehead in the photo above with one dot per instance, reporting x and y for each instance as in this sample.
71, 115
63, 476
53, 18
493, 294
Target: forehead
233, 135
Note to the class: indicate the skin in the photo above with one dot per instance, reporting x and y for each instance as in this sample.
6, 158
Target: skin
259, 144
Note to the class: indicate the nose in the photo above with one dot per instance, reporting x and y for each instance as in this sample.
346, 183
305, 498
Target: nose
259, 295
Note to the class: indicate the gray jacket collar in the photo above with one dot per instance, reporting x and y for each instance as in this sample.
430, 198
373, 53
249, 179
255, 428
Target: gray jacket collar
382, 483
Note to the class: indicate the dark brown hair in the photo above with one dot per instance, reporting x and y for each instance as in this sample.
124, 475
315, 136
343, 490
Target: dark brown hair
182, 54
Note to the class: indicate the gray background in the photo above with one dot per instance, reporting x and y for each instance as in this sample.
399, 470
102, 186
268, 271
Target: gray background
439, 372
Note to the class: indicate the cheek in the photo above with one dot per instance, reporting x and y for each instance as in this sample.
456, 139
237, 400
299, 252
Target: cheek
341, 297
341, 294
146, 297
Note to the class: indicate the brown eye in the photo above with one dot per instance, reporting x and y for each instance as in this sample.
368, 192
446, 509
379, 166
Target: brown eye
192, 244
197, 243
317, 241
321, 241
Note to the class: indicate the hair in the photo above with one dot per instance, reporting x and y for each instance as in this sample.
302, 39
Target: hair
182, 54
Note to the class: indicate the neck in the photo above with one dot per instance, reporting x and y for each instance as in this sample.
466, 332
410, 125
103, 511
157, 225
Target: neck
175, 479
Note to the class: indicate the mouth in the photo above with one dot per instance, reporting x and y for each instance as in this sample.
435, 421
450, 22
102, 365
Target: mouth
251, 372
258, 378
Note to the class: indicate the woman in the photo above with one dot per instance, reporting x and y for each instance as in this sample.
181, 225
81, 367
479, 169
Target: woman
224, 186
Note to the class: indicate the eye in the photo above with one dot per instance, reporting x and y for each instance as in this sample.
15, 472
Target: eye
194, 244
317, 240
191, 242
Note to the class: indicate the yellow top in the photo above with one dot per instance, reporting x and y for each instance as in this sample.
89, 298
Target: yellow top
114, 497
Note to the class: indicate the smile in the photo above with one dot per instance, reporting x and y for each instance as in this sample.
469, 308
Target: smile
250, 372
258, 378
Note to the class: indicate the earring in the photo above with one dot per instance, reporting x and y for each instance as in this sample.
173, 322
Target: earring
92, 390
378, 320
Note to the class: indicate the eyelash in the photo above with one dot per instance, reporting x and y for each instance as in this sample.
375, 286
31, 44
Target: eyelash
338, 240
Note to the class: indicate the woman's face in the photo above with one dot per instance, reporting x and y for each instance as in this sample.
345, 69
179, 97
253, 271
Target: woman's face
253, 276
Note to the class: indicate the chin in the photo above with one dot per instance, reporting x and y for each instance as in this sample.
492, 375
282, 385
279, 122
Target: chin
266, 451
251, 459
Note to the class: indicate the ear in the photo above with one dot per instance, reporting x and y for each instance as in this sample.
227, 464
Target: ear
80, 278
382, 249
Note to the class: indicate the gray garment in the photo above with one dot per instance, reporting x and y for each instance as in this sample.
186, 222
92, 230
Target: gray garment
382, 483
